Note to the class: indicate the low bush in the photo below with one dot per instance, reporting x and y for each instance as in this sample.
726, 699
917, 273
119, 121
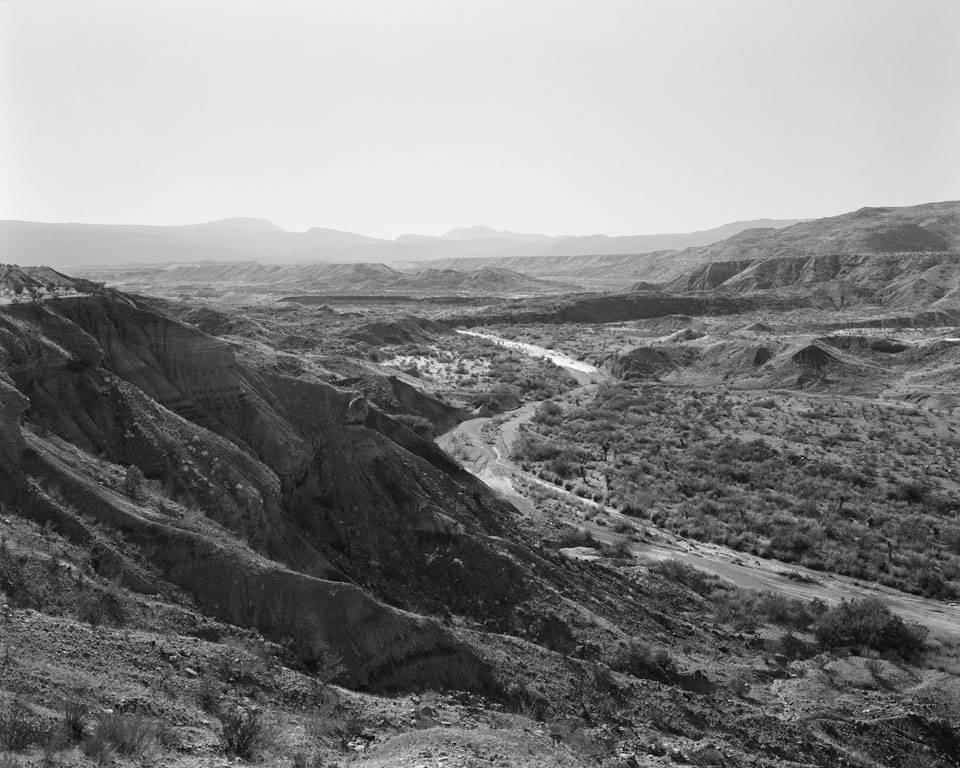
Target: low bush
675, 570
746, 609
640, 660
868, 623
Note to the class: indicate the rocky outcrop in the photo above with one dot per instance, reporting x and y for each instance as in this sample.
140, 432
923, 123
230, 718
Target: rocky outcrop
411, 400
707, 277
639, 363
405, 330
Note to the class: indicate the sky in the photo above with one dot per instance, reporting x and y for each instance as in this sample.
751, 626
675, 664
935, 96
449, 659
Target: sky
395, 116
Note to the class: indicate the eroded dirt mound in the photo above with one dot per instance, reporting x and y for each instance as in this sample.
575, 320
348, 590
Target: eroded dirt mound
866, 343
403, 331
687, 334
814, 357
218, 323
639, 363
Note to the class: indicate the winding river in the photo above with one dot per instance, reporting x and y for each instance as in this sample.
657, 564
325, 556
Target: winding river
571, 364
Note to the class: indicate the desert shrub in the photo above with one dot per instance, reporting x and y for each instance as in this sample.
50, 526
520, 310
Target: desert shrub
868, 623
562, 466
640, 660
19, 729
208, 695
303, 760
792, 647
99, 607
532, 448
322, 720
576, 537
130, 734
675, 570
787, 611
746, 609
244, 733
326, 665
133, 482
98, 749
617, 551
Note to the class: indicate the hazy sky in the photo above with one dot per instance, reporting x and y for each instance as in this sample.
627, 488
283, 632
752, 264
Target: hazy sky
394, 116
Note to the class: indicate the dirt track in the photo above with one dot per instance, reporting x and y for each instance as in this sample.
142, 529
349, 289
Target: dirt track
488, 458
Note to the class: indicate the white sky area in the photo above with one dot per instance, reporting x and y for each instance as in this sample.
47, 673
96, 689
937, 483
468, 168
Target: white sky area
393, 116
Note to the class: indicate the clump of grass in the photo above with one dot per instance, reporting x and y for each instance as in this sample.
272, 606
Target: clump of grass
131, 735
76, 718
19, 729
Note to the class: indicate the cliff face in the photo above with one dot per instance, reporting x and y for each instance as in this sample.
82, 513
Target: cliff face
708, 276
893, 279
320, 484
12, 406
382, 647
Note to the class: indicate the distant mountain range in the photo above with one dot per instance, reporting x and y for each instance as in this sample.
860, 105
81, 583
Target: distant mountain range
471, 260
81, 245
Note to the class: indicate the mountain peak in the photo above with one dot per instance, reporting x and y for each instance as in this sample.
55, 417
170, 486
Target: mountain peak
241, 223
